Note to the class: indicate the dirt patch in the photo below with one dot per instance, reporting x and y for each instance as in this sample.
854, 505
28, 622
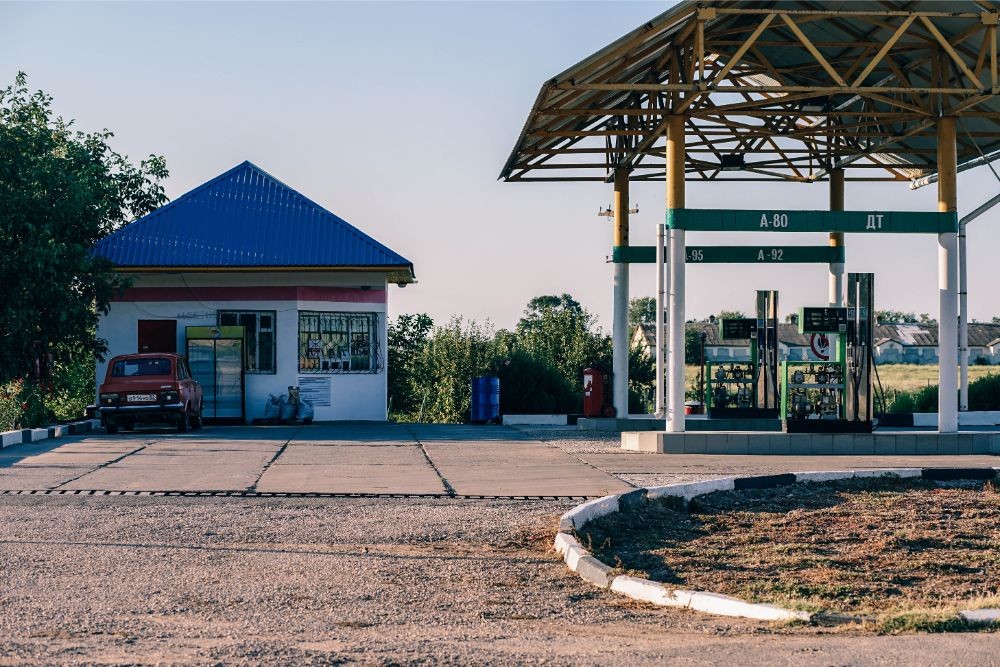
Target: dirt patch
855, 546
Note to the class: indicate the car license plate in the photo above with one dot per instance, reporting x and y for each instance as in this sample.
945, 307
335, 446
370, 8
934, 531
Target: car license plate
140, 398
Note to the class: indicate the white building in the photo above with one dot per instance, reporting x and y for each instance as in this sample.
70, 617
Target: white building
309, 290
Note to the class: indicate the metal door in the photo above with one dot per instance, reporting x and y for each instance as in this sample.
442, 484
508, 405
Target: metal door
157, 335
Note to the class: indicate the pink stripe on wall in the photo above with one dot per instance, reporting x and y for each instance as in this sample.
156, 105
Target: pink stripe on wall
266, 293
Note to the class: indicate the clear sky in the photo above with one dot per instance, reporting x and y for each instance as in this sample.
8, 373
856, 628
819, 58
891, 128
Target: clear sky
399, 116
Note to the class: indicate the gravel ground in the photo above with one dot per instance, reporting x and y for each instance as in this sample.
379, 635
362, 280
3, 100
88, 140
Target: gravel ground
569, 439
132, 580
226, 581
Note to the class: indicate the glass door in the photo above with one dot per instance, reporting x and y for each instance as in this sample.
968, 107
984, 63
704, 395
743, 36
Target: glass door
201, 358
228, 378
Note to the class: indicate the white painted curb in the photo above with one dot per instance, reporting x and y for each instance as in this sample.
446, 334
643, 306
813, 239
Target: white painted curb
691, 489
823, 476
658, 594
650, 591
36, 434
588, 511
978, 418
535, 420
11, 438
723, 605
903, 473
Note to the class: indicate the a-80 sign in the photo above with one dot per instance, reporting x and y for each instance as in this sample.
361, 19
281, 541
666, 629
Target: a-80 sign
730, 220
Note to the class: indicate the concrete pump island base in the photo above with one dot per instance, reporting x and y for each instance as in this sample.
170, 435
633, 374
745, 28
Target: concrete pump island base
907, 443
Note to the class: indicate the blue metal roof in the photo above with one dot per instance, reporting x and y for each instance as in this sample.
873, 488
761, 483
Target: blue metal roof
246, 218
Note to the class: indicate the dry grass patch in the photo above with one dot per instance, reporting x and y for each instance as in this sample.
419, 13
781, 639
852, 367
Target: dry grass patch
908, 552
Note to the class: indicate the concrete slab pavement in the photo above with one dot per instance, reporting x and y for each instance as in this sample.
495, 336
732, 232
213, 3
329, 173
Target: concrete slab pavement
347, 478
359, 458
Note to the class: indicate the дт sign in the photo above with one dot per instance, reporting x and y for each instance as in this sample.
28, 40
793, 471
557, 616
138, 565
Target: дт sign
731, 220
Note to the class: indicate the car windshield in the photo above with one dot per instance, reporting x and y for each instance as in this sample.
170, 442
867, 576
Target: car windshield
124, 368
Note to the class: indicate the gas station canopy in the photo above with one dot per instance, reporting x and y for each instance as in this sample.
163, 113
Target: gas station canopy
774, 90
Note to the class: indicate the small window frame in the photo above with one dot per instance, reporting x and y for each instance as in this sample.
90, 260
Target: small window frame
252, 349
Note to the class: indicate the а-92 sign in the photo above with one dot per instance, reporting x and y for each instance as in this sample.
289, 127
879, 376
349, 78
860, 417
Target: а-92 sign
763, 254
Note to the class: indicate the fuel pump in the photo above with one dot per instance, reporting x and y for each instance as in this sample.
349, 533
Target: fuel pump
833, 396
747, 389
860, 353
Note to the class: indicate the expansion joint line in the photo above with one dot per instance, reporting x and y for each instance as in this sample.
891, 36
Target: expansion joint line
449, 489
551, 444
281, 450
105, 464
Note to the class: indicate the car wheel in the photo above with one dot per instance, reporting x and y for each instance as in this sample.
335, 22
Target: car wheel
196, 421
129, 425
111, 427
182, 424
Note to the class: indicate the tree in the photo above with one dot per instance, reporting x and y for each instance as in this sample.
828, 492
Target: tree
60, 192
547, 304
692, 345
641, 310
894, 317
559, 330
730, 315
407, 337
443, 369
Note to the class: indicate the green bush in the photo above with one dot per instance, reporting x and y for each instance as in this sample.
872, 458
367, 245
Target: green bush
926, 399
444, 368
900, 403
10, 404
984, 393
540, 363
529, 385
73, 388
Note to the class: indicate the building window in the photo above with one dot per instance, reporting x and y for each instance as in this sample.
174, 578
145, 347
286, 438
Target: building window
338, 342
258, 337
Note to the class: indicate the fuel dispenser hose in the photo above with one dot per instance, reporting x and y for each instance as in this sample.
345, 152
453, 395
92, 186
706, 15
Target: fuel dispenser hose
880, 394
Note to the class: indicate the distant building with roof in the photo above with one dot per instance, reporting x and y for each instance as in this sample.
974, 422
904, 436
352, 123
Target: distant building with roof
894, 343
791, 344
309, 290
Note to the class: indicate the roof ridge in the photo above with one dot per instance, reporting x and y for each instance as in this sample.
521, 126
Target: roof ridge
324, 211
253, 200
145, 219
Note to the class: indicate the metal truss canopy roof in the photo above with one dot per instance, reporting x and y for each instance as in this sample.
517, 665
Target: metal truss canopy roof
774, 90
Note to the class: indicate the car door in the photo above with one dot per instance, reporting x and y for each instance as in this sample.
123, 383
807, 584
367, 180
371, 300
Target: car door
190, 389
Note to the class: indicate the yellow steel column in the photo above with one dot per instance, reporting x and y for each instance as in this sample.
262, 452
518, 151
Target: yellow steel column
947, 160
675, 241
619, 325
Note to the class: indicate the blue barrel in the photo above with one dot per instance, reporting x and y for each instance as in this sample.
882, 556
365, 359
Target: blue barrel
485, 399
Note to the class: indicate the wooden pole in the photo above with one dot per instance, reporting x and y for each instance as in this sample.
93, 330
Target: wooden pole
675, 199
836, 238
947, 160
619, 328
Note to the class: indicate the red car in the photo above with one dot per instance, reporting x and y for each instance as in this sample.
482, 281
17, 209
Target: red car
150, 387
